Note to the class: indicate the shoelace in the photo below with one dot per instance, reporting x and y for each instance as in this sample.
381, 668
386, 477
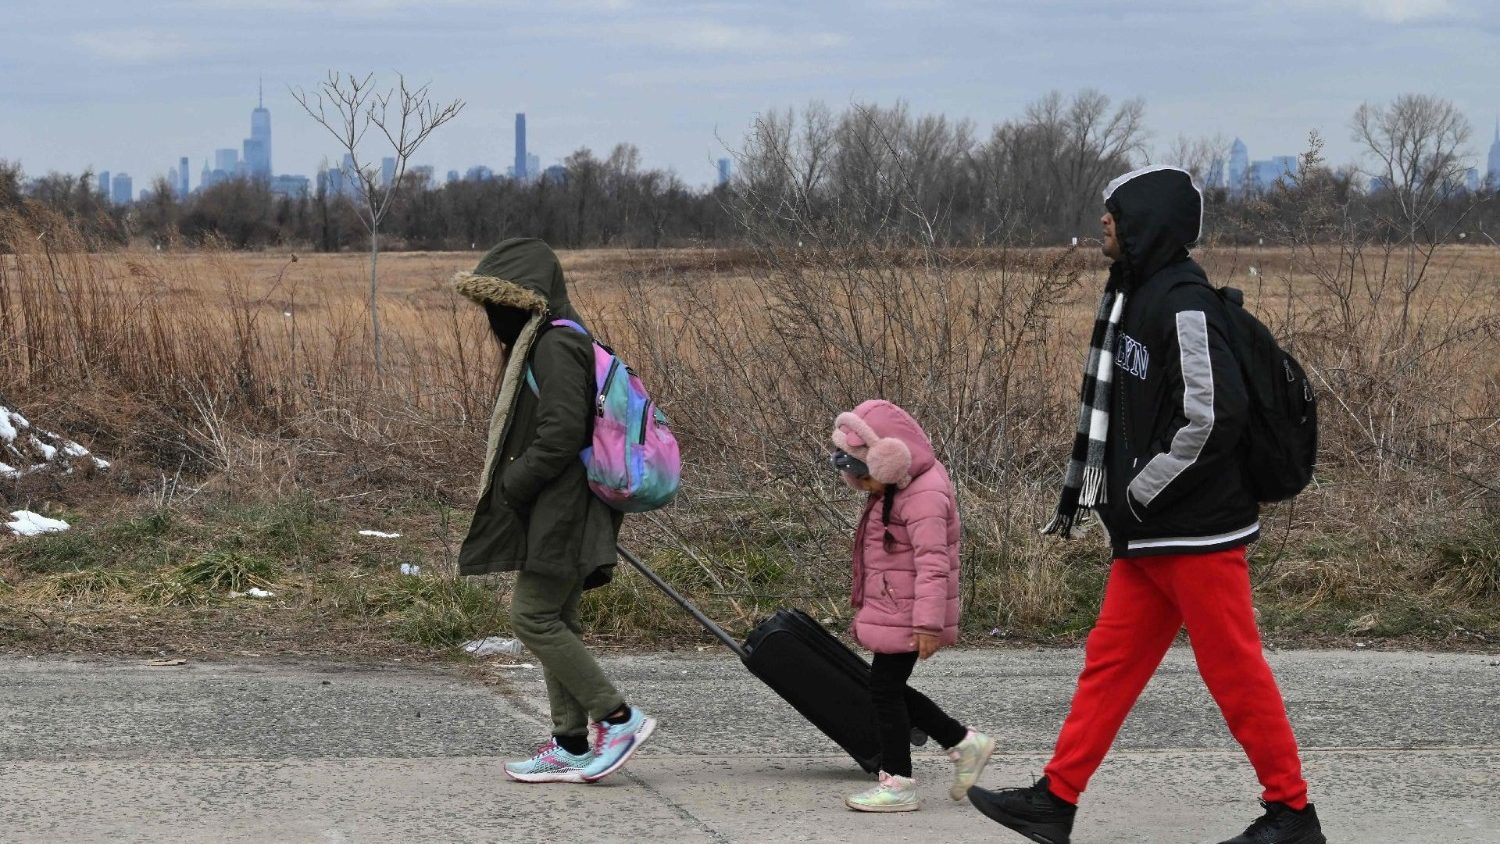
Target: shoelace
601, 729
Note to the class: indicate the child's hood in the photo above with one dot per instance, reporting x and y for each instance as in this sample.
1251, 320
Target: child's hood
887, 439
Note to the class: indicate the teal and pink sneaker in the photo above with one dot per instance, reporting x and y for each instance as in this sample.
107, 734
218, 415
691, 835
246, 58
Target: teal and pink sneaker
550, 764
614, 744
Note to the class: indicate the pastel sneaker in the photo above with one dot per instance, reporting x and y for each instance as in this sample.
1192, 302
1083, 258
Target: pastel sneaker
891, 794
969, 758
550, 764
614, 744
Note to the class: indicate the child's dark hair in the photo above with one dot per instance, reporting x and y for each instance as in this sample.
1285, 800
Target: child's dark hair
885, 514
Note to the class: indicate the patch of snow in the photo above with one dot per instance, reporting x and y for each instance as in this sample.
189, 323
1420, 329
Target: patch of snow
380, 534
253, 592
408, 568
42, 449
28, 523
48, 452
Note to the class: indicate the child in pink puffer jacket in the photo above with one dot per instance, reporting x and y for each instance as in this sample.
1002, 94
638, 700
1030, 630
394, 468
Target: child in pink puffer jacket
905, 592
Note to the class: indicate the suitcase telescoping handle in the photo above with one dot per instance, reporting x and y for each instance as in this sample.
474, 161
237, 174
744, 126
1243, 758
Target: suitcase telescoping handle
708, 623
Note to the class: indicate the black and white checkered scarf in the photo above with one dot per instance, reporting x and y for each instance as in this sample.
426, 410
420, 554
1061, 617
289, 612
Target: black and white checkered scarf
1083, 484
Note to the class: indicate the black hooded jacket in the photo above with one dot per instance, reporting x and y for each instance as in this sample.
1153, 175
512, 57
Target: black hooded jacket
1174, 478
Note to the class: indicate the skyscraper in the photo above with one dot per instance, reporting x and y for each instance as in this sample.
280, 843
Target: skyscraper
1239, 167
1285, 168
206, 178
353, 178
331, 182
1493, 179
387, 171
227, 161
258, 145
723, 172
182, 178
174, 182
102, 185
289, 187
520, 165
533, 167
120, 189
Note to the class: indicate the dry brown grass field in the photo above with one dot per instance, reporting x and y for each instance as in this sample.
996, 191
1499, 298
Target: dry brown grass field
252, 438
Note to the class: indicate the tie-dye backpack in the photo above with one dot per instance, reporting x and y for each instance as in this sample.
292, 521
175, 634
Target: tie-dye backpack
633, 464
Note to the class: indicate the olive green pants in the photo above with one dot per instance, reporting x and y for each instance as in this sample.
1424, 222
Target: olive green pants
544, 616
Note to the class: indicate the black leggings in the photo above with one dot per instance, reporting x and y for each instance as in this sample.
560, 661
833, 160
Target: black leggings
898, 708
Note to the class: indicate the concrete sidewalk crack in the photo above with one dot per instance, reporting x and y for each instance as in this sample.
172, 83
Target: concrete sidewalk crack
680, 810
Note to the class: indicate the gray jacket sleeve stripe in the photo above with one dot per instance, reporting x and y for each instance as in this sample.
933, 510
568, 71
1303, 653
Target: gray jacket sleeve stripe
1197, 406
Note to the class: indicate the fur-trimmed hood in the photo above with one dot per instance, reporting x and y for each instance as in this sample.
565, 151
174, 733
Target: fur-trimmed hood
522, 273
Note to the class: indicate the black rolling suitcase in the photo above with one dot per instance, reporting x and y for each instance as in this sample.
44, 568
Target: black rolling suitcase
826, 683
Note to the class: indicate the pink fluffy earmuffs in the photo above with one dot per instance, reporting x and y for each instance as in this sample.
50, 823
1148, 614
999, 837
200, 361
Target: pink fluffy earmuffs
889, 458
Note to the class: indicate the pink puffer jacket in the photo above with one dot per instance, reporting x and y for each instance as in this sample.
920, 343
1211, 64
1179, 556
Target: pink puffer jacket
906, 581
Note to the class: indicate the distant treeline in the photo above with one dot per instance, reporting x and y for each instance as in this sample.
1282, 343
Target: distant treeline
870, 171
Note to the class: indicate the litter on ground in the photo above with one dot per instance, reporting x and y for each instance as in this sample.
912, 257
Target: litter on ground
494, 646
378, 534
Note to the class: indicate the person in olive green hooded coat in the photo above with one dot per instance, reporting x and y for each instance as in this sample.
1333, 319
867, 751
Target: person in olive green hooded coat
536, 514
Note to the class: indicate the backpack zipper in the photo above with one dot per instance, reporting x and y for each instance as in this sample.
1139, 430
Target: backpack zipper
645, 420
614, 367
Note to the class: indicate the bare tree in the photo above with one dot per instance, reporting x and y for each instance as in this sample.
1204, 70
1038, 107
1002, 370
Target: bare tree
1417, 145
404, 117
1204, 157
1089, 144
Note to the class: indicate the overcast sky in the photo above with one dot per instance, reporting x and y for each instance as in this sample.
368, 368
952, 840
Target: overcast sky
131, 85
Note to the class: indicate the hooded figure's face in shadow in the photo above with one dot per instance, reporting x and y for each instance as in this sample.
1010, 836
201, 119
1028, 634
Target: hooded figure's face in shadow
506, 323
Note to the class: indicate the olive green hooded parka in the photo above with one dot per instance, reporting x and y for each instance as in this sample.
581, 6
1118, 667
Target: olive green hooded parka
535, 512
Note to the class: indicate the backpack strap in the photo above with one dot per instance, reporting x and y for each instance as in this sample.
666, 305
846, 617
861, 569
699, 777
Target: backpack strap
556, 323
568, 323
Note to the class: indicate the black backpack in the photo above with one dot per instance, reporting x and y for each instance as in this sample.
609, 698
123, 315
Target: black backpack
1281, 441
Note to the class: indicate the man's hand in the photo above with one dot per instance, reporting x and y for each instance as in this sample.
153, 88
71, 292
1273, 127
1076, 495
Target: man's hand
928, 643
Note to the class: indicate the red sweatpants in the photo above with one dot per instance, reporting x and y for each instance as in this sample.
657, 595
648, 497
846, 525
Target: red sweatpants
1145, 603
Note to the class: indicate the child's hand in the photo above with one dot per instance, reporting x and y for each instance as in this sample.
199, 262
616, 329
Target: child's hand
928, 644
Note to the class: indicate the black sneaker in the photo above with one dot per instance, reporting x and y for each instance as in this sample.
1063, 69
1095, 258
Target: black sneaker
1034, 812
1281, 824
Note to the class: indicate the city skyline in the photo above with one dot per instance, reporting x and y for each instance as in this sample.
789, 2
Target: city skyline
1231, 169
683, 81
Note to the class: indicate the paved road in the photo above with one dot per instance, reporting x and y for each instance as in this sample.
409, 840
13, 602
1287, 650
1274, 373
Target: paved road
1400, 747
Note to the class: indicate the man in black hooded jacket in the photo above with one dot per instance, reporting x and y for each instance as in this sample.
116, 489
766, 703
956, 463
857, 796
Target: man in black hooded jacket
1158, 455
